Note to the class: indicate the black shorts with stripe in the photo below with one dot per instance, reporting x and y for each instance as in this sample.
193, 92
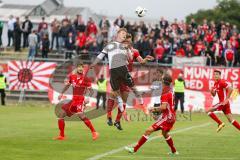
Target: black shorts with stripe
120, 75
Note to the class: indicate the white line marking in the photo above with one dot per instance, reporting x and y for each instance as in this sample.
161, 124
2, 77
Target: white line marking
150, 139
204, 158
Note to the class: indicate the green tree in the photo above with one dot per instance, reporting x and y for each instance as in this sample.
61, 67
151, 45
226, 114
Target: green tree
226, 10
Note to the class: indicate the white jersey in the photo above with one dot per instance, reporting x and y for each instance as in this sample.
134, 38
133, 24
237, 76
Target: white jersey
156, 88
117, 55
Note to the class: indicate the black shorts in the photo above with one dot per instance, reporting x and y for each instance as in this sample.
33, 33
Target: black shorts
119, 75
156, 105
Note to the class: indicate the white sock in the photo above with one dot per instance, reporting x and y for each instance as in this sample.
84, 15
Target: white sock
120, 103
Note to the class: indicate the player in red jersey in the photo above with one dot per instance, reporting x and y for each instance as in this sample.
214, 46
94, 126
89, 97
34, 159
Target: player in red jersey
81, 85
224, 90
133, 55
165, 121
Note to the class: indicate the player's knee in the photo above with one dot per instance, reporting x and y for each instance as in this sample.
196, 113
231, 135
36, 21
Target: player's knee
62, 114
148, 132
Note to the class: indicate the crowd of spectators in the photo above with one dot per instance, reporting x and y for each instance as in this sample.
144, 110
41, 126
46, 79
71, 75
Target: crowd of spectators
217, 41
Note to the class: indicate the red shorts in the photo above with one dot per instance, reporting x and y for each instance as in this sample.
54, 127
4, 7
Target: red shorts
124, 88
164, 124
74, 106
225, 108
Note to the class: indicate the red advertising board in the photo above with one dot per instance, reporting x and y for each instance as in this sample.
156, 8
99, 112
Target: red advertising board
201, 78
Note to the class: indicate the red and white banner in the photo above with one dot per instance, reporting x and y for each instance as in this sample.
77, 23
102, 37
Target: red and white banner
201, 78
200, 101
29, 75
179, 62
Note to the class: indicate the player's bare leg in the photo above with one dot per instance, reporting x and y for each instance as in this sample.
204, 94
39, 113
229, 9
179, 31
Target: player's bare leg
61, 126
141, 141
211, 114
233, 121
88, 123
170, 143
125, 97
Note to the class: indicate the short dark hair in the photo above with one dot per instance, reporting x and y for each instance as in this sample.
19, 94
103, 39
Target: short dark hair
217, 71
167, 79
79, 64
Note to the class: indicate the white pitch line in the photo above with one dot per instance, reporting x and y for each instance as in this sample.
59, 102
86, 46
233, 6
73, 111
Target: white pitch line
202, 158
150, 139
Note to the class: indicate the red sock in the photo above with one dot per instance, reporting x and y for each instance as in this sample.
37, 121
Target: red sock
89, 124
170, 143
119, 115
140, 142
214, 117
61, 126
110, 104
236, 124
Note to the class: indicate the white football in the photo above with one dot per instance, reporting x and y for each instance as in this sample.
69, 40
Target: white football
140, 11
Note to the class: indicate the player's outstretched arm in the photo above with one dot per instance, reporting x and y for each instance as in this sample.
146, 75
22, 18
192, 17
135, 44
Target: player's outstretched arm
98, 59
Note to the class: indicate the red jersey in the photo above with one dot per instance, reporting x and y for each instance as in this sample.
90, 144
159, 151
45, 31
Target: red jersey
79, 84
198, 48
229, 53
221, 89
91, 28
134, 54
169, 111
81, 40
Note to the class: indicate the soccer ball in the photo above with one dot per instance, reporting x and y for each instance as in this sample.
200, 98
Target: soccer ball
140, 11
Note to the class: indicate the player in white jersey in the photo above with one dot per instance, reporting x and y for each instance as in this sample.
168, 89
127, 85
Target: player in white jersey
118, 60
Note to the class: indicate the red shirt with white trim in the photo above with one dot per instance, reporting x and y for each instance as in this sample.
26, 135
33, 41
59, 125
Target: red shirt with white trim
80, 83
221, 89
168, 98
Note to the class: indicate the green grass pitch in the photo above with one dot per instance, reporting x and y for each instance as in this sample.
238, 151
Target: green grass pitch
26, 133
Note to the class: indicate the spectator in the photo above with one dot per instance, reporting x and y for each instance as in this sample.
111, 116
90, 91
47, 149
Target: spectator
1, 30
27, 29
42, 24
17, 35
79, 24
146, 49
55, 27
113, 31
229, 55
91, 27
43, 32
189, 50
104, 23
69, 45
159, 52
3, 84
102, 88
120, 22
163, 23
45, 46
33, 42
81, 42
65, 29
10, 25
217, 50
199, 48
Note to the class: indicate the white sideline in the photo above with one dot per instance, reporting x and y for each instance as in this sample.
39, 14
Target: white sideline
150, 139
197, 158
